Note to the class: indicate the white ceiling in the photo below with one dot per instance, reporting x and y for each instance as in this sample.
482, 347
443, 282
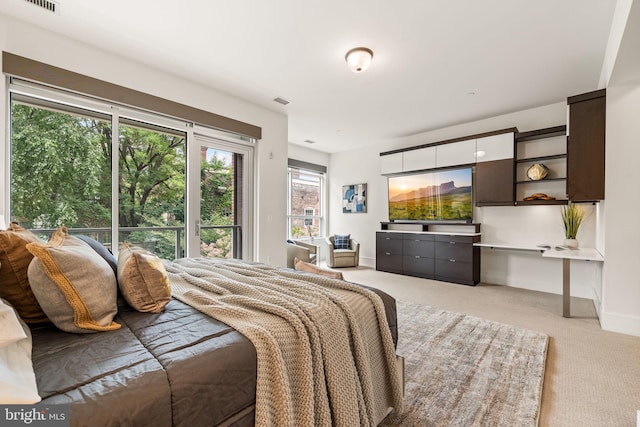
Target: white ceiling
436, 63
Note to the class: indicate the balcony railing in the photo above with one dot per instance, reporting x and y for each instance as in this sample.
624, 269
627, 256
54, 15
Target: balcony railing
103, 235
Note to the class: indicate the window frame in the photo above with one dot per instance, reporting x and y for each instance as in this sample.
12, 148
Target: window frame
321, 215
64, 101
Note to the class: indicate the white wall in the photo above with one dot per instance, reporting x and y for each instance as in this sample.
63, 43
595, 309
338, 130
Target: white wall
308, 155
271, 153
523, 224
611, 225
620, 300
621, 282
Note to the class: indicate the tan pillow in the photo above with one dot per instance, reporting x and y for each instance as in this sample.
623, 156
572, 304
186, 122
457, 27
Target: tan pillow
14, 282
143, 279
74, 285
311, 268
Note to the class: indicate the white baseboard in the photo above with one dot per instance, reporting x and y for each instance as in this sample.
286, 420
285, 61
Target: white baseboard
623, 324
367, 262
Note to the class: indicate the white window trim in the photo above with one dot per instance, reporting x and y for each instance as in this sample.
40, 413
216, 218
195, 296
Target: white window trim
248, 183
322, 213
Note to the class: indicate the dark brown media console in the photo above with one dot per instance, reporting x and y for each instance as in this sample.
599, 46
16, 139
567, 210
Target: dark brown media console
416, 249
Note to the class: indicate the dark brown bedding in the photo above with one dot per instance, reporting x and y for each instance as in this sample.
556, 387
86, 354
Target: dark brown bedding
179, 367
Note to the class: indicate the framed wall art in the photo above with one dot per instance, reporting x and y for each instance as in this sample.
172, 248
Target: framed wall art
354, 198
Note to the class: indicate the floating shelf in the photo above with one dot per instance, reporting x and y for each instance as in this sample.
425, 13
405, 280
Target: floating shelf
529, 181
541, 202
481, 204
541, 133
541, 158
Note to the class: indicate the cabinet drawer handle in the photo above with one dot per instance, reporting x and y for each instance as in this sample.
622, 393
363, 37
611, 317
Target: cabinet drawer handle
387, 238
452, 243
452, 260
387, 253
417, 256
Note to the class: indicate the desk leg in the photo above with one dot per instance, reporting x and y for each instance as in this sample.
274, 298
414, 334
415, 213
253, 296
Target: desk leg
566, 287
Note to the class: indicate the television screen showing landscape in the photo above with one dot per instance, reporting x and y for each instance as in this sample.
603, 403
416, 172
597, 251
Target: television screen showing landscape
433, 196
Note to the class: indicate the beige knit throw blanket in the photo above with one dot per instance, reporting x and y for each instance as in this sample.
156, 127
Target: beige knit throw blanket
325, 352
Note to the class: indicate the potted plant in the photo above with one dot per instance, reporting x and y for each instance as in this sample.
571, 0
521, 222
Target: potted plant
572, 217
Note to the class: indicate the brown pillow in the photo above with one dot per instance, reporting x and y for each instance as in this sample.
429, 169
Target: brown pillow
142, 279
311, 268
74, 285
14, 282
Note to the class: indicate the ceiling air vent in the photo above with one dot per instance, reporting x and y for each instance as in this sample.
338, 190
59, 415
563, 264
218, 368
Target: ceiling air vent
45, 4
282, 101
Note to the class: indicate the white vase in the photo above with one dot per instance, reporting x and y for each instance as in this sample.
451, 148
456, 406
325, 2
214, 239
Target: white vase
571, 243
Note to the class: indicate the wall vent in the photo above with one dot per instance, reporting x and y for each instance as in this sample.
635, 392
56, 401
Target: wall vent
45, 4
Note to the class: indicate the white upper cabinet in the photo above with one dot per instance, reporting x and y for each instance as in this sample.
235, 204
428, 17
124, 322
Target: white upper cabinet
495, 147
422, 158
466, 152
456, 153
391, 163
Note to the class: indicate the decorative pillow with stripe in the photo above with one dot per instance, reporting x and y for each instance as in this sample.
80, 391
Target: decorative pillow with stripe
341, 242
74, 285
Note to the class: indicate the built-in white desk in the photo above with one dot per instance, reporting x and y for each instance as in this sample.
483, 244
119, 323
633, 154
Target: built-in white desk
510, 246
581, 254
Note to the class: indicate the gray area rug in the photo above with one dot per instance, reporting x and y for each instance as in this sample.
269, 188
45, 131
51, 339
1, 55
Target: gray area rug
466, 371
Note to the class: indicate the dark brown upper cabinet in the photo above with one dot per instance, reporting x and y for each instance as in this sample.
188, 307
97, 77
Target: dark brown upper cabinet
586, 146
494, 183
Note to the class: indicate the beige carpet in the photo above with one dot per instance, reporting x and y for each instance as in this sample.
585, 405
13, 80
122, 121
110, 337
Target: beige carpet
466, 371
592, 376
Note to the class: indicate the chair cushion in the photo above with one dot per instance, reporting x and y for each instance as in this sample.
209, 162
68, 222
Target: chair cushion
341, 242
340, 253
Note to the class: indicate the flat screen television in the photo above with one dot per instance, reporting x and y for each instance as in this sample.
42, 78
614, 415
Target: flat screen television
443, 195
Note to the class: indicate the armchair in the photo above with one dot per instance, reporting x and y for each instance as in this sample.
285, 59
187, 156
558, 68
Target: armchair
301, 250
349, 257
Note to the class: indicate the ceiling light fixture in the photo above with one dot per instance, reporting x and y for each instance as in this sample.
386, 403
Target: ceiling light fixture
359, 59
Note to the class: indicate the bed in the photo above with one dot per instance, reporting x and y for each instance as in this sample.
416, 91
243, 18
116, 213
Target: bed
177, 367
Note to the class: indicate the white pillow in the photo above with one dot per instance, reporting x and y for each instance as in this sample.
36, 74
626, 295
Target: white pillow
9, 325
17, 378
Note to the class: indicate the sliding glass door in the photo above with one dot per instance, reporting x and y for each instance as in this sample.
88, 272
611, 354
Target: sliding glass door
223, 217
63, 173
119, 175
151, 187
60, 163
